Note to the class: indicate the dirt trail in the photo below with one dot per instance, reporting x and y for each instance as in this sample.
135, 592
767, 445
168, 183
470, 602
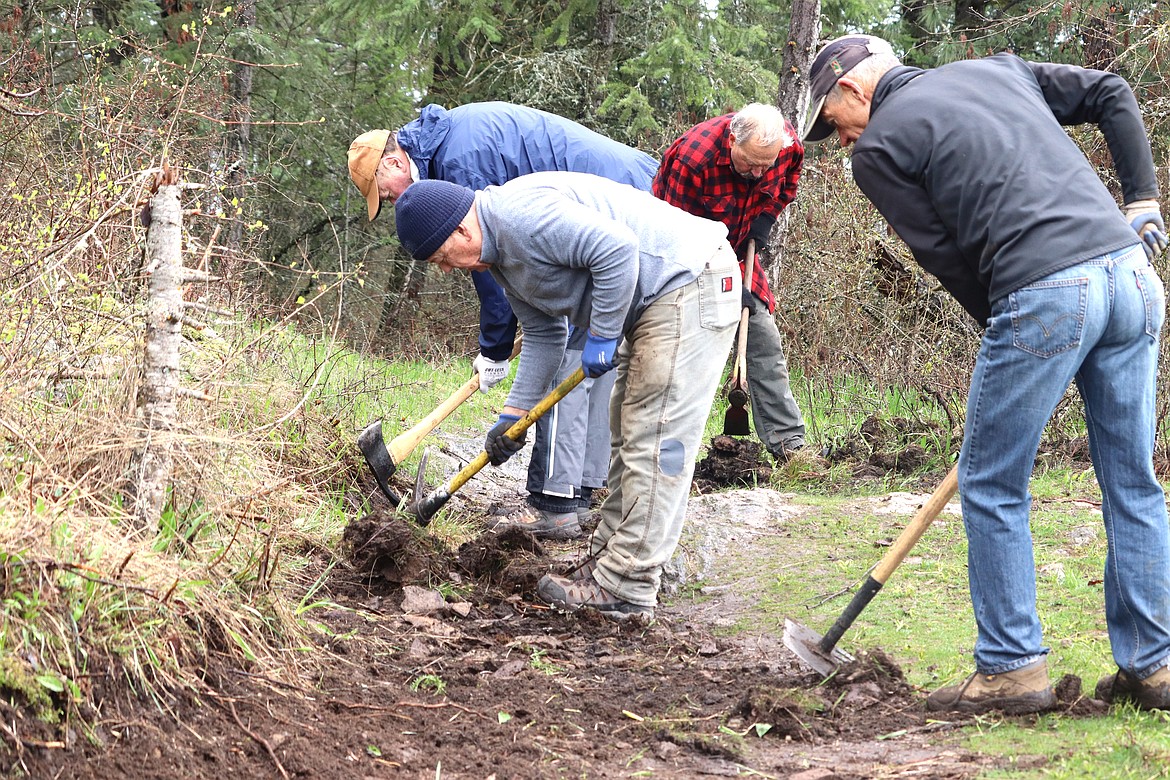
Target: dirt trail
484, 682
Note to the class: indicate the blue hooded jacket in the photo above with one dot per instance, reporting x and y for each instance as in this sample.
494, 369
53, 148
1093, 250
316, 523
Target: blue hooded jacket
481, 144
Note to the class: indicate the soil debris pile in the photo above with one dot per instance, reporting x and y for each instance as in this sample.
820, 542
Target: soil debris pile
731, 462
392, 550
888, 444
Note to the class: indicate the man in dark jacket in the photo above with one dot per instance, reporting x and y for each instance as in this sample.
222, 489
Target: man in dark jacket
477, 145
741, 169
970, 164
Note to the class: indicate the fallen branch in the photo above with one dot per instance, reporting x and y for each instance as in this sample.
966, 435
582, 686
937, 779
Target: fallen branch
259, 740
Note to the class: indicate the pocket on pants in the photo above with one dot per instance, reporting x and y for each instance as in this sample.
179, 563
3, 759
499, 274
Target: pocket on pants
719, 297
1154, 294
1049, 317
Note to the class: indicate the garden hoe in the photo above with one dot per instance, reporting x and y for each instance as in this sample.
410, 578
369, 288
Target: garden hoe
821, 653
383, 460
425, 508
735, 421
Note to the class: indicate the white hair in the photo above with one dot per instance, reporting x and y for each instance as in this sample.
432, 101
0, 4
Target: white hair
761, 122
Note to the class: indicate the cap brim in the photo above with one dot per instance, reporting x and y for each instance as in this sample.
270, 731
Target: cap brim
373, 202
818, 129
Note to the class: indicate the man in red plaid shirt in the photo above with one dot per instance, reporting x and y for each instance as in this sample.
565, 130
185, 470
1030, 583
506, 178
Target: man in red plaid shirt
741, 169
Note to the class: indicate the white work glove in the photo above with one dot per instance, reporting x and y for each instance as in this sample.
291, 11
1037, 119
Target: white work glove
1145, 217
491, 372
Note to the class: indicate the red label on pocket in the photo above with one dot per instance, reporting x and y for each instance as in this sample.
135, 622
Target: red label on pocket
728, 283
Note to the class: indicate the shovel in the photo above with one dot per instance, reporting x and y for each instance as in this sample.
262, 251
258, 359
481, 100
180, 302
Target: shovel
735, 421
424, 509
383, 460
821, 653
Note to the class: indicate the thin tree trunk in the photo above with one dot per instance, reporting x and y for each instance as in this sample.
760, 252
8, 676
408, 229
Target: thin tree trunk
159, 383
239, 133
792, 98
799, 50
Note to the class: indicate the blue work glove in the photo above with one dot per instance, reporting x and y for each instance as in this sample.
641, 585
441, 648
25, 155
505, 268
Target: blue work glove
599, 355
498, 446
1145, 218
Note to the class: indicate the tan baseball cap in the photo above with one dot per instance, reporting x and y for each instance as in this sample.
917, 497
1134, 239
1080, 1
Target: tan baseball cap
364, 155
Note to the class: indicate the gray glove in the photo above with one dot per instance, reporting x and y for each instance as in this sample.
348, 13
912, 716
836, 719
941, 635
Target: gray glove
1145, 217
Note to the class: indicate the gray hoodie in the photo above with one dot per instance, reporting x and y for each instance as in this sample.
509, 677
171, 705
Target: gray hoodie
583, 247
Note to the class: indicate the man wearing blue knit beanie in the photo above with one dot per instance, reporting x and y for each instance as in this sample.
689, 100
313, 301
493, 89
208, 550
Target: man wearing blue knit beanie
476, 145
657, 290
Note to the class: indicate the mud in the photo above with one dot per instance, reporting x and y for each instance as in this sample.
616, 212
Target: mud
731, 462
431, 662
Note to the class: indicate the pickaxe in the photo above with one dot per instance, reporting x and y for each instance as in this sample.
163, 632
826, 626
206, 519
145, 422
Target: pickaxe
425, 508
384, 461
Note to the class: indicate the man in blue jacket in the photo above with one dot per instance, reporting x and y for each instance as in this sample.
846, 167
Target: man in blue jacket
478, 145
972, 167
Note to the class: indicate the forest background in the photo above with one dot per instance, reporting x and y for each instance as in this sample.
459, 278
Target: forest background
249, 109
254, 106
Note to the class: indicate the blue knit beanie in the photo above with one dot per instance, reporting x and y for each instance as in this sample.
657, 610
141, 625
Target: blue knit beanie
427, 213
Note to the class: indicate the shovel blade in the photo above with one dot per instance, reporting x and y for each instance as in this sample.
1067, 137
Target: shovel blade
806, 644
735, 422
378, 458
423, 506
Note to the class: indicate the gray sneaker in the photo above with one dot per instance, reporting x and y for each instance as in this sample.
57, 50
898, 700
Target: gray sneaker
1017, 692
541, 523
1152, 693
572, 594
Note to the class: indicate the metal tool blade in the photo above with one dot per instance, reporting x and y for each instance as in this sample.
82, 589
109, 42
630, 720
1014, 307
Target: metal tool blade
806, 644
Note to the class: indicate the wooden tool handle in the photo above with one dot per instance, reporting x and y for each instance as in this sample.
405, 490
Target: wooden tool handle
404, 443
902, 545
917, 526
520, 426
739, 372
425, 508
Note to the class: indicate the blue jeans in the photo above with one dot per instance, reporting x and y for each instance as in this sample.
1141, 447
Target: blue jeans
1097, 323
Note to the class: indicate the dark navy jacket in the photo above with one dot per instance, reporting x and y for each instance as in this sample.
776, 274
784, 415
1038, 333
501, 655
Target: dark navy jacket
491, 143
971, 166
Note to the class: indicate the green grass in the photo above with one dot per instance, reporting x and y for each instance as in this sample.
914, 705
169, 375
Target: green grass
922, 618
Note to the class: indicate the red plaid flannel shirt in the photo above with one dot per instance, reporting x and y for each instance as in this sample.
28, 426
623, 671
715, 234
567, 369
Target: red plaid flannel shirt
697, 176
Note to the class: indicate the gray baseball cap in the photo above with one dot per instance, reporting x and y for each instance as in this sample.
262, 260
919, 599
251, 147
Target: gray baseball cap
835, 59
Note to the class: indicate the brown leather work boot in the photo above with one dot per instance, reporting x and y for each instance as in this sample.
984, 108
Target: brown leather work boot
542, 523
1017, 692
1152, 693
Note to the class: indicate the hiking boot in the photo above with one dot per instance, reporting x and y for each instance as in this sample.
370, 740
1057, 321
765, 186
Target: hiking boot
570, 595
1152, 693
582, 568
1017, 692
542, 523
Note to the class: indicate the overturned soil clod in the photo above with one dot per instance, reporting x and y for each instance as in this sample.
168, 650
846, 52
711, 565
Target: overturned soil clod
389, 548
731, 462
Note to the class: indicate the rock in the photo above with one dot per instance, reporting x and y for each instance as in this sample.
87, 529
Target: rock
421, 601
